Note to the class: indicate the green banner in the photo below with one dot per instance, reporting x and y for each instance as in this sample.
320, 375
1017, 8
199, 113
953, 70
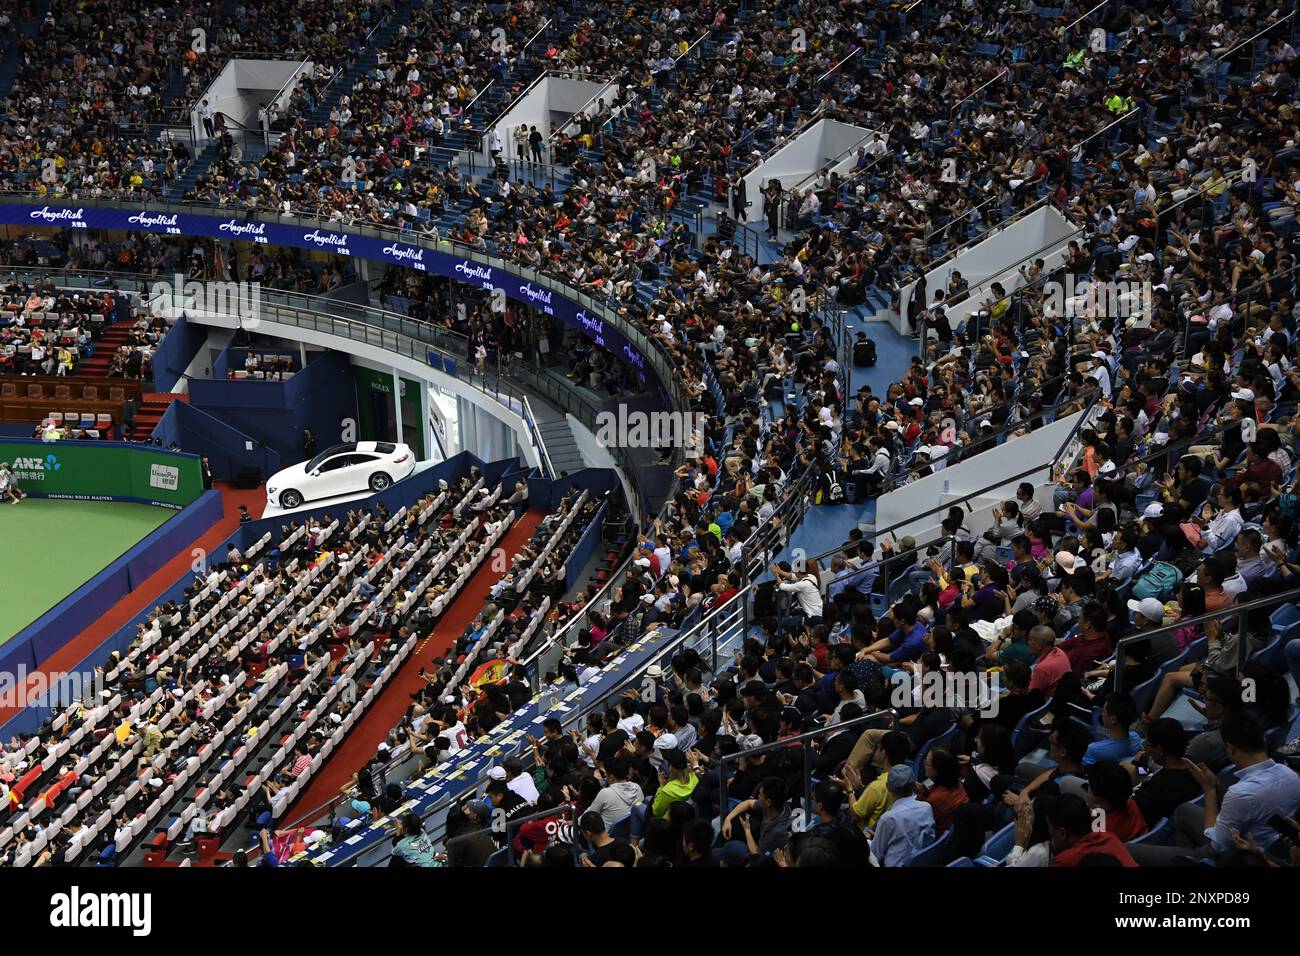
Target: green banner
104, 471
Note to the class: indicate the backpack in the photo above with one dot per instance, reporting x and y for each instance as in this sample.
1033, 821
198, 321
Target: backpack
835, 494
1162, 582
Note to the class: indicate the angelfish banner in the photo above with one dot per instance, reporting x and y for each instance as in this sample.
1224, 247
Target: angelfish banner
104, 471
222, 225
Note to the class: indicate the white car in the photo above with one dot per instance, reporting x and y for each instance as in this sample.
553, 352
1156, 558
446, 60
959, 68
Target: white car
341, 470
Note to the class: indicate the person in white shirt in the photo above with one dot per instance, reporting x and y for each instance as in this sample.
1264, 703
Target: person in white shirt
517, 780
1101, 372
630, 722
802, 586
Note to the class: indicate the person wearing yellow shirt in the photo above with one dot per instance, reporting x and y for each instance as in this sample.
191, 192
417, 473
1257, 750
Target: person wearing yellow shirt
870, 802
1215, 184
677, 784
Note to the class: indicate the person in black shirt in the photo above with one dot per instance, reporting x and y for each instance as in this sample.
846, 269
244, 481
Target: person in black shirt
501, 797
602, 844
1158, 794
837, 748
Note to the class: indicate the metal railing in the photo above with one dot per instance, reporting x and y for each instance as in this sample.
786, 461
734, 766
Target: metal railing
1065, 34
1272, 26
660, 360
1241, 611
960, 500
573, 120
875, 719
855, 52
830, 164
711, 631
531, 420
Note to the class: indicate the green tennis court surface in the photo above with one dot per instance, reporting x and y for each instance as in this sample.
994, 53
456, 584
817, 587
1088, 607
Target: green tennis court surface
51, 547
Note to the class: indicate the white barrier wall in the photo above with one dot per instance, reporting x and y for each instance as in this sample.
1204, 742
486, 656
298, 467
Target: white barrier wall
821, 144
1043, 234
244, 85
553, 99
984, 470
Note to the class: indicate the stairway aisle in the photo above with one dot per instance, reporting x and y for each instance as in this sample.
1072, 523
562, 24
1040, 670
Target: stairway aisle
105, 348
153, 405
387, 709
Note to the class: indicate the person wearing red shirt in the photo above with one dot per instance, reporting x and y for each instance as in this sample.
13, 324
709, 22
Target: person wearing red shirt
1092, 643
1111, 789
538, 834
1050, 662
1069, 823
1260, 469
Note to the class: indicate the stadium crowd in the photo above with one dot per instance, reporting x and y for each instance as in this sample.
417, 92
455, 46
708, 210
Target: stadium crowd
1182, 498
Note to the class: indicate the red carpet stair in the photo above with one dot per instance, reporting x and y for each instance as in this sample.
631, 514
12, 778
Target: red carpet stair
152, 407
114, 336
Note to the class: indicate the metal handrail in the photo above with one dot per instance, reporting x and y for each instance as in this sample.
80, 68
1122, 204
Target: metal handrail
798, 740
1015, 217
1088, 139
900, 478
804, 124
1003, 73
1241, 611
996, 277
511, 105
606, 83
470, 105
529, 41
1067, 30
537, 437
665, 363
692, 47
834, 161
677, 641
856, 51
1223, 56
948, 505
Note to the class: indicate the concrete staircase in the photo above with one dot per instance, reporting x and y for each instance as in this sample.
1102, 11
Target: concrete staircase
561, 447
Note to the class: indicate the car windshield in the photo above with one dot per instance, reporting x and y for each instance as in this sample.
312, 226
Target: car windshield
385, 447
328, 452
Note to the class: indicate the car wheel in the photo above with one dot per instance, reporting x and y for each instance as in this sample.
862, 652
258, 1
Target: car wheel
379, 481
290, 498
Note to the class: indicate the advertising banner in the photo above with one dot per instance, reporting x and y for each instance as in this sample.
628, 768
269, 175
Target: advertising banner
104, 471
411, 255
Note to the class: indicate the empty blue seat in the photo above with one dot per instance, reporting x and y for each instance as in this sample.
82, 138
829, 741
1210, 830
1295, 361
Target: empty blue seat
933, 854
1162, 834
622, 829
998, 847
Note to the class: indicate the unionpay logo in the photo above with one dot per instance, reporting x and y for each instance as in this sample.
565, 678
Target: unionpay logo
165, 477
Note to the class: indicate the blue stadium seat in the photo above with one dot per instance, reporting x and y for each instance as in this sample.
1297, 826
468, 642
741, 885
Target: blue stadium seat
997, 847
933, 854
622, 829
1162, 834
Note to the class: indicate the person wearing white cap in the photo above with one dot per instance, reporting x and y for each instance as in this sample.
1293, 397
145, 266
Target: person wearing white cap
1101, 372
